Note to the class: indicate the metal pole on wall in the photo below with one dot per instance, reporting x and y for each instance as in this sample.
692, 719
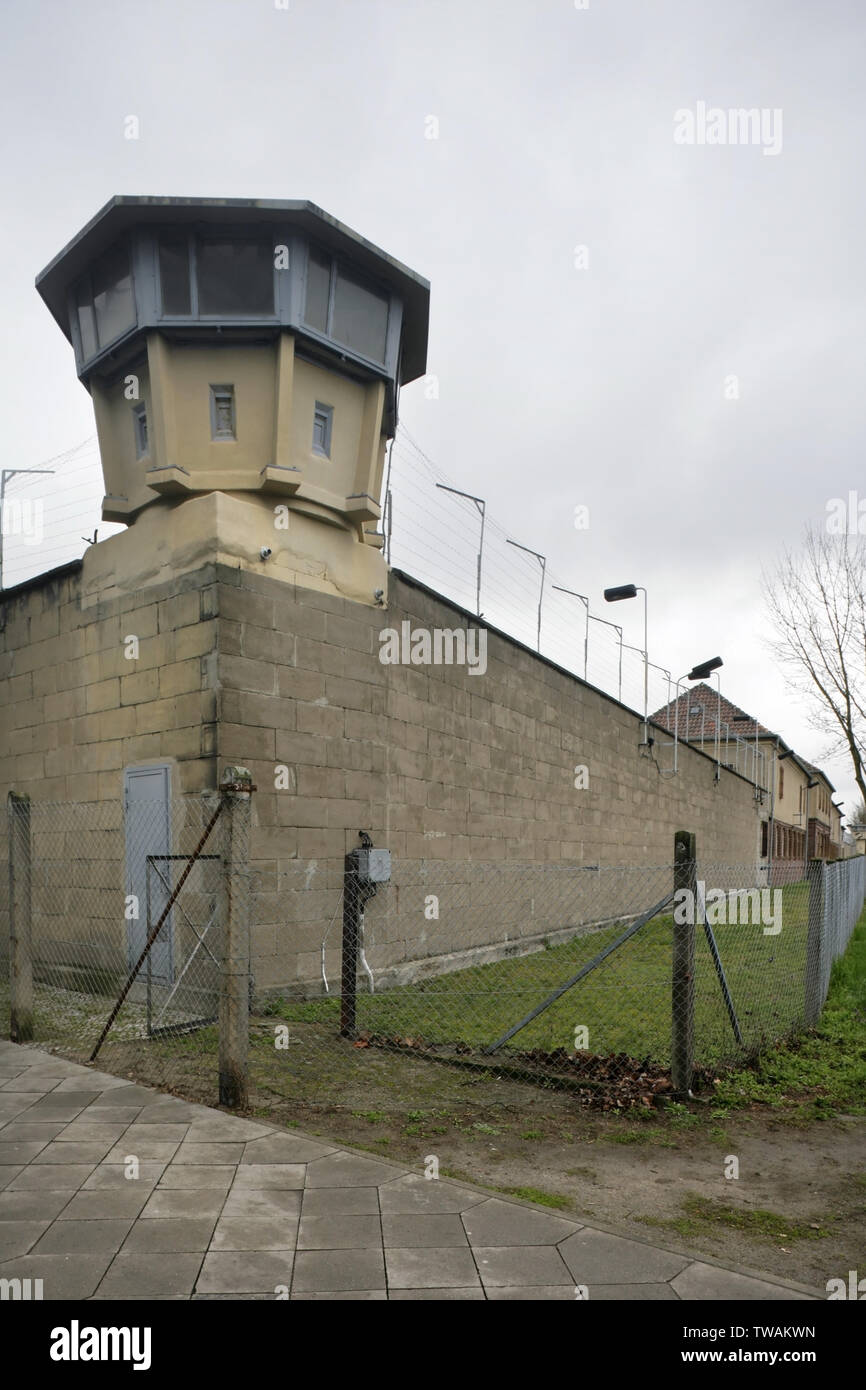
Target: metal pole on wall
683, 965
20, 952
815, 942
542, 560
234, 1007
481, 506
585, 601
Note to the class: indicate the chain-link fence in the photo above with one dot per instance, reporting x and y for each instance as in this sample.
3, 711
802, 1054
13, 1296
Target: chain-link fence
138, 935
114, 938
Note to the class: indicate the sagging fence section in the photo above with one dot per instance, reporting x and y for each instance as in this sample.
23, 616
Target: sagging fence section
141, 936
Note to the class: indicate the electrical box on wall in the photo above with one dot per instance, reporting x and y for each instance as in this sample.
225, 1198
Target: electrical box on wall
374, 865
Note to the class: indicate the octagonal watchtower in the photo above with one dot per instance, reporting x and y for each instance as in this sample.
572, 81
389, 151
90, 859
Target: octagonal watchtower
244, 360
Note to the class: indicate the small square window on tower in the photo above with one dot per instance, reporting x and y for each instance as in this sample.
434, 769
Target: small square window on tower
139, 424
222, 412
323, 418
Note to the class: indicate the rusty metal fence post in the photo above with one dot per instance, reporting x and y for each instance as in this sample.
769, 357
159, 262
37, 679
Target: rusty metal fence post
236, 791
683, 963
20, 947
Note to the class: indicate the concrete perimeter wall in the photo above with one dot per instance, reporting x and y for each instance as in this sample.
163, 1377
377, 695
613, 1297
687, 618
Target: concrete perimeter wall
435, 762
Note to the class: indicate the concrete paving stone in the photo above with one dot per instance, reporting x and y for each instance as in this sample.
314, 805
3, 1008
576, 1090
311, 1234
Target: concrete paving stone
63, 1108
19, 1237
339, 1232
104, 1204
635, 1293
92, 1081
347, 1170
245, 1272
217, 1177
706, 1282
82, 1131
331, 1271
337, 1201
259, 1202
520, 1264
108, 1114
30, 1081
23, 1152
289, 1175
152, 1276
431, 1268
63, 1276
425, 1229
129, 1095
285, 1148
356, 1296
167, 1110
115, 1176
536, 1293
503, 1223
18, 1131
215, 1128
19, 1104
254, 1233
166, 1202
59, 1152
144, 1148
32, 1206
594, 1257
182, 1235
155, 1133
92, 1237
8, 1171
54, 1177
209, 1153
474, 1295
140, 1297
232, 1297
416, 1194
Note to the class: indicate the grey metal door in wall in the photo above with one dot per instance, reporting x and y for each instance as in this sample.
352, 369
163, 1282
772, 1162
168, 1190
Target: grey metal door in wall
147, 820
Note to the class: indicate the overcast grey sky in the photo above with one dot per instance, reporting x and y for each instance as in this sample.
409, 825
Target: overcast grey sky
601, 377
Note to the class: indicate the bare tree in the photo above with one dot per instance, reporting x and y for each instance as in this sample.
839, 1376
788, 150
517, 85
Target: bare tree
817, 604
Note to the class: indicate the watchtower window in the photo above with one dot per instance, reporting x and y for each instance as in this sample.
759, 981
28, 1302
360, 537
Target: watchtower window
323, 417
235, 277
139, 422
222, 412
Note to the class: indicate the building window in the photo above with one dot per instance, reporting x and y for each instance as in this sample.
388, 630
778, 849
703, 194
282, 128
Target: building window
323, 417
235, 277
105, 302
220, 277
222, 412
346, 308
139, 422
174, 276
781, 782
765, 835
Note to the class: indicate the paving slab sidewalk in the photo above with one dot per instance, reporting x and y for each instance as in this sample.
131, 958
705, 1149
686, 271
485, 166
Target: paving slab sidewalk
110, 1190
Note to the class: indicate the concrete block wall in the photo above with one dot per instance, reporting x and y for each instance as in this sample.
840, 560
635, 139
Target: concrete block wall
75, 710
456, 770
436, 764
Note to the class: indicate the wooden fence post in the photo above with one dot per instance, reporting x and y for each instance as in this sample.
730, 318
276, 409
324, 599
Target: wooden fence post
234, 1008
683, 964
20, 945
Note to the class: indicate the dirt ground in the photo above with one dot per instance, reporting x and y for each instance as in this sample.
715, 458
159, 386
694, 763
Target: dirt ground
797, 1207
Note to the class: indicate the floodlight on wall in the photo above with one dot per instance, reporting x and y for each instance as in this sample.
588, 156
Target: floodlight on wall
699, 672
616, 595
704, 668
